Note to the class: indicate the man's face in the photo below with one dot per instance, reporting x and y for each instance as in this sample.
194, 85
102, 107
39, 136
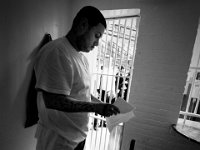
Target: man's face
90, 38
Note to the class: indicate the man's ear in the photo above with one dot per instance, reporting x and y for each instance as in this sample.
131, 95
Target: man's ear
84, 25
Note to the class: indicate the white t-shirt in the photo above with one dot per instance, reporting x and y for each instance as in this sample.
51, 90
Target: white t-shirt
61, 69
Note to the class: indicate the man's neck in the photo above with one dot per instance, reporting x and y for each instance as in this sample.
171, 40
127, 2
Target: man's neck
71, 38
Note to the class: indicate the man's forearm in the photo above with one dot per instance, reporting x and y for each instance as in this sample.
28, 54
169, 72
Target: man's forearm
66, 103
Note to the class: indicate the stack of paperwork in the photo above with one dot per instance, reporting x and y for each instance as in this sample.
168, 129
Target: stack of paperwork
126, 113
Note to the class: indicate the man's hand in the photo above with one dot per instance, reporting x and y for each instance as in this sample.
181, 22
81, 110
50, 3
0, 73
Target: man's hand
106, 110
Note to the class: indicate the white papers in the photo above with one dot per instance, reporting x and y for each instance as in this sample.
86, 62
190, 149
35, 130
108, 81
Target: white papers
126, 113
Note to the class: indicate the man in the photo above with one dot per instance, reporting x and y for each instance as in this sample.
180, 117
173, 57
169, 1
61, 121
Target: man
63, 84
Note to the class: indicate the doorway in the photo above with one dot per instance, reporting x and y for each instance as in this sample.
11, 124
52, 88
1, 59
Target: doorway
111, 65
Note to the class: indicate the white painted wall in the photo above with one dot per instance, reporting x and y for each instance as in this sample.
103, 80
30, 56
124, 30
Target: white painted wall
22, 26
166, 37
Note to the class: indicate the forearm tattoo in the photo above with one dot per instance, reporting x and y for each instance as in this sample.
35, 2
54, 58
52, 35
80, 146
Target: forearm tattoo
67, 104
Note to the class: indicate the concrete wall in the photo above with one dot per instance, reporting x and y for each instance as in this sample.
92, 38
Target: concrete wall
167, 34
22, 26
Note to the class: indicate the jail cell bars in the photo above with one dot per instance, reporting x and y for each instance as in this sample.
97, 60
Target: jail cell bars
111, 77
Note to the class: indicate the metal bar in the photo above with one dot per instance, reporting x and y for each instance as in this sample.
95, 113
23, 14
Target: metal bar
122, 56
114, 64
119, 71
128, 51
101, 134
196, 107
189, 114
194, 68
104, 56
110, 61
132, 62
114, 146
122, 17
116, 53
106, 140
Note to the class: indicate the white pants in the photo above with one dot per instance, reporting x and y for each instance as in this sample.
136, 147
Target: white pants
49, 140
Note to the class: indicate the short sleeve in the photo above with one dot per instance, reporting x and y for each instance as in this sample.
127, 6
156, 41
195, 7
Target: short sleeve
54, 73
